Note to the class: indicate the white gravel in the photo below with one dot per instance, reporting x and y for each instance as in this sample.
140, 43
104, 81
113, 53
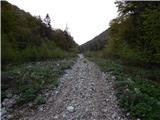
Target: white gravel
84, 93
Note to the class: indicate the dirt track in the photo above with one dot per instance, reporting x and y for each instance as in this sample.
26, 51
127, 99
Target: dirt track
84, 93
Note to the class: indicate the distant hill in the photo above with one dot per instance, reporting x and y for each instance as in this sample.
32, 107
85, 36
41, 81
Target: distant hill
96, 43
26, 37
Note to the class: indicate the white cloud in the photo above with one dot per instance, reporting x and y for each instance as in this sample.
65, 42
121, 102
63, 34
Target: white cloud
85, 18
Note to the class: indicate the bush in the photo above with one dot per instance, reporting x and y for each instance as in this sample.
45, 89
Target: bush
27, 96
40, 100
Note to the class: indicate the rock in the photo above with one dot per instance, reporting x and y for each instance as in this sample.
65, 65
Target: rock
40, 108
104, 110
8, 103
46, 94
30, 104
138, 119
56, 92
10, 116
3, 111
119, 118
113, 77
70, 109
64, 115
55, 117
113, 115
128, 114
107, 100
9, 95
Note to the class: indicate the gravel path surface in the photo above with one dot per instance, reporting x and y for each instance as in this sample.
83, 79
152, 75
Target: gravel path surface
84, 93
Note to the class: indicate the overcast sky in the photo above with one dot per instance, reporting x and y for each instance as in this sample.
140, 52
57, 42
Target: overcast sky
85, 18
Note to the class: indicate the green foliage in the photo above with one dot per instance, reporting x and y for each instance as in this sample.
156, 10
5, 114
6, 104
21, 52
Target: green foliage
31, 78
139, 96
27, 96
40, 100
133, 35
28, 38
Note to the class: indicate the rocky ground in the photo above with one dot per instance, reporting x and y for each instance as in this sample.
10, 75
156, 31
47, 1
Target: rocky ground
84, 93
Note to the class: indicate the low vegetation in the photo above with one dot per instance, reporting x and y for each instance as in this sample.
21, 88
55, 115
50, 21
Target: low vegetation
137, 94
132, 55
31, 78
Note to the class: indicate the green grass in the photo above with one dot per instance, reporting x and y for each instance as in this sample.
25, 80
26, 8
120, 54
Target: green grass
31, 78
136, 93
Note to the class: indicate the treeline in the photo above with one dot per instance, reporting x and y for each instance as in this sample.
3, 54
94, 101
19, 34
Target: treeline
28, 38
134, 34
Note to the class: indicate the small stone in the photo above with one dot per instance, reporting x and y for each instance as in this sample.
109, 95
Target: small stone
128, 114
113, 77
104, 110
56, 92
10, 116
113, 115
40, 108
46, 94
70, 108
119, 118
8, 103
55, 117
107, 100
64, 115
138, 119
30, 104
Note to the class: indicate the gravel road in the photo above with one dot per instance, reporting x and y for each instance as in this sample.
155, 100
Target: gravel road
84, 93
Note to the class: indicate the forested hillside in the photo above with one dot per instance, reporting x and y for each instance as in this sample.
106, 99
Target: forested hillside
134, 35
132, 55
28, 38
34, 56
96, 43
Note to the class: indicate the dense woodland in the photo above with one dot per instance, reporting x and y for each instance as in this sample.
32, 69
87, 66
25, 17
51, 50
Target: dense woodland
134, 35
28, 38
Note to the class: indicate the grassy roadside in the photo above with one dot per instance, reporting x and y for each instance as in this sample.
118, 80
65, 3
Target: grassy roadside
137, 94
29, 79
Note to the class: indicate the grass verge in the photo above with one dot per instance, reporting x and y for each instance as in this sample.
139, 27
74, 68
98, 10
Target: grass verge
29, 79
136, 93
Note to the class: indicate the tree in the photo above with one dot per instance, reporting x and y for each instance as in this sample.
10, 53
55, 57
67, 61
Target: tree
47, 21
134, 34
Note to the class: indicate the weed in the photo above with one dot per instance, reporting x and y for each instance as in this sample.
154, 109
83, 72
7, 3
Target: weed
31, 78
137, 94
40, 100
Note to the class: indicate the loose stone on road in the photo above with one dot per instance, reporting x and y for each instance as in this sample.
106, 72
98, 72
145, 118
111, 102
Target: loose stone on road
84, 93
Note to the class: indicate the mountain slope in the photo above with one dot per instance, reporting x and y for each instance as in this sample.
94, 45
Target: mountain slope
27, 38
96, 43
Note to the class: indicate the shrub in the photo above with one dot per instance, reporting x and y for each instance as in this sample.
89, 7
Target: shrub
40, 100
